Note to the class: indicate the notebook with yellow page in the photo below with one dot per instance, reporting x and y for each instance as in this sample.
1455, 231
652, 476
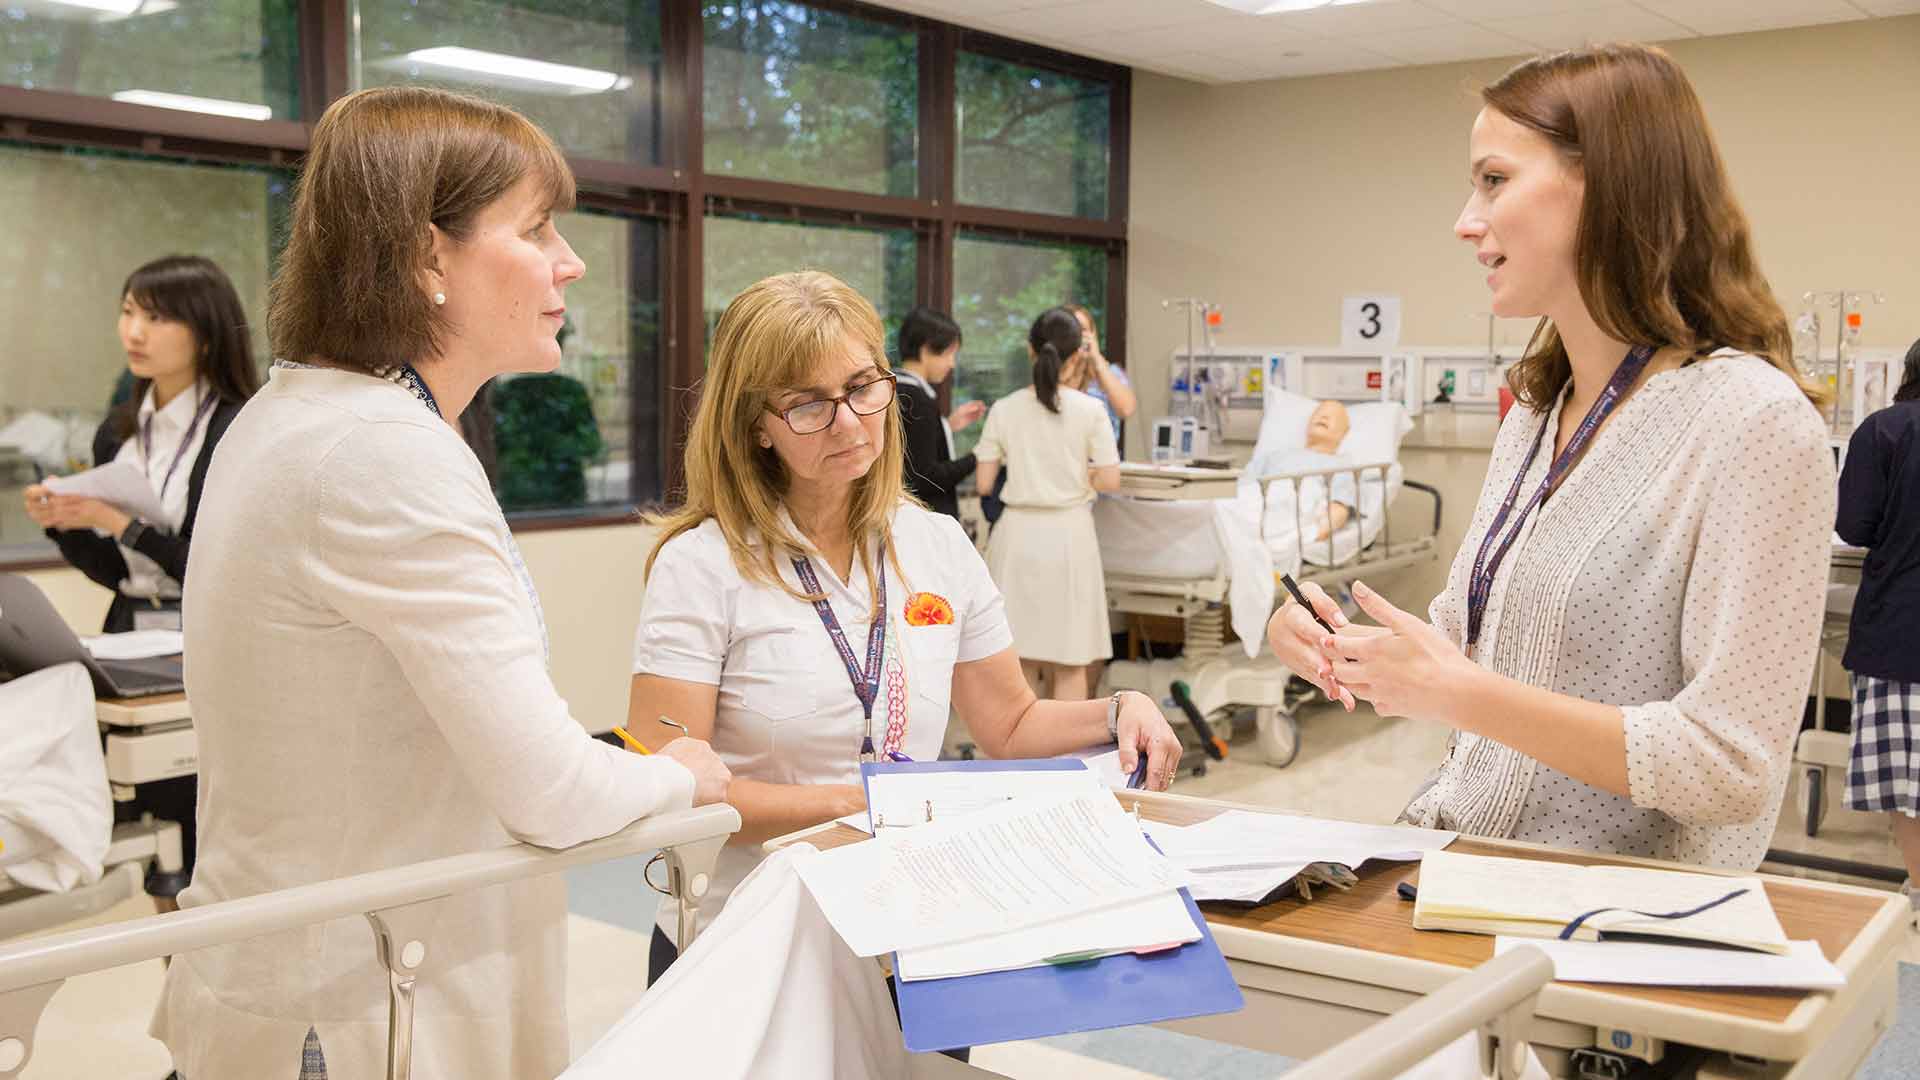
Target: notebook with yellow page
1529, 898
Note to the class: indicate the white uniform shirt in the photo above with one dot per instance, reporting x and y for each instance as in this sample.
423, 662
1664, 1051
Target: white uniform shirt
787, 713
174, 438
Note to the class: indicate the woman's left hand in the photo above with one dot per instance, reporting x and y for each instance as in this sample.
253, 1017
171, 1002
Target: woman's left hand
1403, 667
1143, 729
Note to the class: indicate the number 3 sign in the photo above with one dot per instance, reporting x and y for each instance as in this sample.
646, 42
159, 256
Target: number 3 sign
1369, 322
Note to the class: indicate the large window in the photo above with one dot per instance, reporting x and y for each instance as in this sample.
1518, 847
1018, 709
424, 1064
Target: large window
877, 262
1032, 139
810, 96
715, 142
999, 288
588, 72
60, 355
224, 57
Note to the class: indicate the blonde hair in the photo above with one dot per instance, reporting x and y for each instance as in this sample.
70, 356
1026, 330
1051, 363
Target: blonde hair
772, 338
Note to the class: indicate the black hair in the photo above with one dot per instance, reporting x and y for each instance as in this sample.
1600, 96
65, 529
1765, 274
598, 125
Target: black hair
925, 328
1910, 379
194, 290
1055, 336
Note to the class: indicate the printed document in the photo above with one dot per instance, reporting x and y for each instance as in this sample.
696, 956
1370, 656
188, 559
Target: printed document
1243, 855
117, 483
1152, 923
1002, 869
901, 799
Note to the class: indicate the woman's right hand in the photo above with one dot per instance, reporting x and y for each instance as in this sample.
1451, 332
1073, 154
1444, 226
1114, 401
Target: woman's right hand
1295, 639
710, 775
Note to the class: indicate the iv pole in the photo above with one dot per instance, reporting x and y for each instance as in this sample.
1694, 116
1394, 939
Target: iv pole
1843, 301
1192, 306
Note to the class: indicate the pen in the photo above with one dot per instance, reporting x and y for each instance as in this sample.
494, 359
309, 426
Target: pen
1287, 580
633, 744
1139, 776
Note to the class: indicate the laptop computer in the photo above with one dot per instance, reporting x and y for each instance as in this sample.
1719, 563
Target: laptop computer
34, 636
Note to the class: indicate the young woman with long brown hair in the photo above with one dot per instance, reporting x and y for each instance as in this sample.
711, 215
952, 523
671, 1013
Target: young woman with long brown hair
1625, 639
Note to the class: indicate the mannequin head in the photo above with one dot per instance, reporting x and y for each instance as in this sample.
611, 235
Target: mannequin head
1327, 427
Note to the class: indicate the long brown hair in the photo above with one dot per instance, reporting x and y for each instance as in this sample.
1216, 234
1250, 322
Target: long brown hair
1663, 252
773, 337
386, 163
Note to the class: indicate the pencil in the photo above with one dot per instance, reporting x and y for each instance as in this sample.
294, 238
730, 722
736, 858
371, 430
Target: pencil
633, 744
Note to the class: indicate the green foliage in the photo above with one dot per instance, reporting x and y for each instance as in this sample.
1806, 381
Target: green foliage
1031, 139
545, 434
810, 96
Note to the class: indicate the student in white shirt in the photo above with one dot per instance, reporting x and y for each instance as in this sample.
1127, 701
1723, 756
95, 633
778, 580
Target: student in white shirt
1626, 636
185, 336
367, 658
793, 490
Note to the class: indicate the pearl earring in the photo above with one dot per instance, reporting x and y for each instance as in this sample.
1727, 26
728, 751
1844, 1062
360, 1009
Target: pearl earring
439, 298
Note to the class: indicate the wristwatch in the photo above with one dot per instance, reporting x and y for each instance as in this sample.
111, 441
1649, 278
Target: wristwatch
1113, 716
131, 534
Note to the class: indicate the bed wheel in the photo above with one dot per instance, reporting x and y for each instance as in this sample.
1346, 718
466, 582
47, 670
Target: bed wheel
1813, 798
1278, 735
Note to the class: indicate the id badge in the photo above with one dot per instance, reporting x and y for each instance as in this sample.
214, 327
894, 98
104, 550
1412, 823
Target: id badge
149, 618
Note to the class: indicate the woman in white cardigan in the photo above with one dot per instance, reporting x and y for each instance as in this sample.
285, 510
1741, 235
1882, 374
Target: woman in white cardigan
368, 660
1624, 644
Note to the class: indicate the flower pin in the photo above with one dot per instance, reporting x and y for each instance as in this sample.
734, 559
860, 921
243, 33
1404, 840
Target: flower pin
929, 609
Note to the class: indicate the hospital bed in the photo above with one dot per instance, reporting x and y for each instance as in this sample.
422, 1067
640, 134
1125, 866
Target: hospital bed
1205, 545
398, 903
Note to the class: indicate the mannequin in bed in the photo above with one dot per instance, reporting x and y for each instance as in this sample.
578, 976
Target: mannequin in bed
1326, 428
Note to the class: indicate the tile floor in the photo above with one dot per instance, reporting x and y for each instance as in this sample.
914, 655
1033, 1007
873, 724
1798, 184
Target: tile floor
1358, 767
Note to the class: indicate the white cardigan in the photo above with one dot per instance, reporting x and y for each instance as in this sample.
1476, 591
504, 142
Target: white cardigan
1680, 573
369, 689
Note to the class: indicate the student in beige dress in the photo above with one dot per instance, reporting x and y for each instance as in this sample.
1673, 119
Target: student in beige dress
1057, 444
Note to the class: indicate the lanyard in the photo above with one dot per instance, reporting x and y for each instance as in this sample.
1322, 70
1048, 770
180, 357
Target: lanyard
146, 443
866, 682
1480, 585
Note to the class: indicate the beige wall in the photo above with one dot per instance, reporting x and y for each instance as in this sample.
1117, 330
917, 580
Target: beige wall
1275, 199
589, 582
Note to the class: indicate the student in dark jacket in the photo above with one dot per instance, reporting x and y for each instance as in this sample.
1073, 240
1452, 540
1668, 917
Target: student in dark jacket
185, 336
929, 343
1880, 511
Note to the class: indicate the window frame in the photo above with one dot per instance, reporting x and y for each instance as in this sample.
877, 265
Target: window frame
677, 192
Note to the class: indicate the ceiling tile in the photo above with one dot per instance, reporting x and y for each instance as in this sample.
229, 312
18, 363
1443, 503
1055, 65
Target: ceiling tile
1482, 10
1444, 44
1740, 16
1348, 20
1571, 30
1329, 58
1889, 7
1199, 38
1100, 18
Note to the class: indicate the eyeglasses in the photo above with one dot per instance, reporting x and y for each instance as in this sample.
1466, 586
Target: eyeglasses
813, 417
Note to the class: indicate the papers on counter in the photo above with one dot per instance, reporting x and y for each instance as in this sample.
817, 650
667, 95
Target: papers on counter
1141, 925
858, 821
900, 800
999, 870
119, 483
134, 644
1534, 898
1802, 967
1244, 856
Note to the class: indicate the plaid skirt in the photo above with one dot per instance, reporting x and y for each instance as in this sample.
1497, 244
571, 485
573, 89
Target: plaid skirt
1885, 771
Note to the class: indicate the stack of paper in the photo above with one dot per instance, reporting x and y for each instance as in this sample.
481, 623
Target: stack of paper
1534, 898
1245, 856
1010, 886
134, 644
1639, 963
908, 799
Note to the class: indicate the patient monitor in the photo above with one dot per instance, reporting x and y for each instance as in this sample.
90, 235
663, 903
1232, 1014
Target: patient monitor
1177, 439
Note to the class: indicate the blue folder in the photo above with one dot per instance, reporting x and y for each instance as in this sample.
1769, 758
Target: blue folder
1114, 991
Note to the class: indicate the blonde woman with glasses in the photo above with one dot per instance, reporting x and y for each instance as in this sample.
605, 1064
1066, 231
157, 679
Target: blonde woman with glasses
805, 614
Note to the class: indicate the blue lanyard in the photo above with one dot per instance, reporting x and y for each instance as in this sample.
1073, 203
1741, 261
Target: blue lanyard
146, 444
866, 683
1480, 585
409, 378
